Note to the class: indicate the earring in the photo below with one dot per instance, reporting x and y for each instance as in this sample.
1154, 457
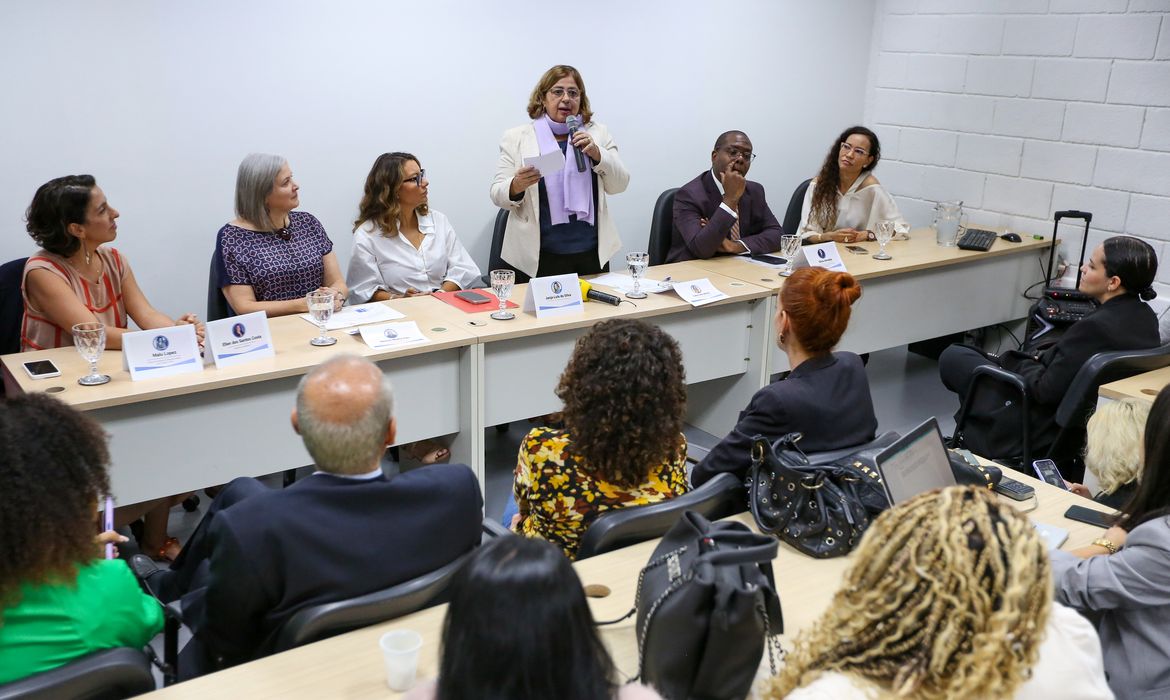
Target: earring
88, 255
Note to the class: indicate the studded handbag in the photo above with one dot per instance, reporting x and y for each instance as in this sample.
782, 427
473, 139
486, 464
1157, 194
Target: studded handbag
819, 509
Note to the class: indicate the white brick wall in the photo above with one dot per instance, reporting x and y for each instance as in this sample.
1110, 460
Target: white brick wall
1024, 107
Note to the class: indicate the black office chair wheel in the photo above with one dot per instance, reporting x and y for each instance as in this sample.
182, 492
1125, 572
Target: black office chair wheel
191, 503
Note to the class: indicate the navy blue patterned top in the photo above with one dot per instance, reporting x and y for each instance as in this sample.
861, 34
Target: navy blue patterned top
276, 269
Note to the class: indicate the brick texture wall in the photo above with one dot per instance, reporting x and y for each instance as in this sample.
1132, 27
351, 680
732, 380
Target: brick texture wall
1025, 107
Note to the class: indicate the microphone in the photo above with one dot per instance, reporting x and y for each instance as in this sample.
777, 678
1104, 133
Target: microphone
574, 123
592, 294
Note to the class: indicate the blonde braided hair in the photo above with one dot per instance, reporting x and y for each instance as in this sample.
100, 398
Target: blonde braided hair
948, 598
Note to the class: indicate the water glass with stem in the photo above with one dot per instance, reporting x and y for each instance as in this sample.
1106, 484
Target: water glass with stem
789, 248
884, 234
637, 263
90, 340
321, 310
502, 283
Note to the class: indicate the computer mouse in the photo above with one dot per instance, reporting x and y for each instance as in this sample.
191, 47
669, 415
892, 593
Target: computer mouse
1012, 237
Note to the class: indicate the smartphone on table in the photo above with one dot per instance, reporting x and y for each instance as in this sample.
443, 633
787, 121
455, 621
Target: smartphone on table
1089, 516
41, 369
472, 297
770, 259
856, 250
1047, 472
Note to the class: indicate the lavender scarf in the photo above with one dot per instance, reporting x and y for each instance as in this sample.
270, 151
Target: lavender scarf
569, 191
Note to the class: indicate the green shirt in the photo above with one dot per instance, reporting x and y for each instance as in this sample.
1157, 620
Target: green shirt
55, 623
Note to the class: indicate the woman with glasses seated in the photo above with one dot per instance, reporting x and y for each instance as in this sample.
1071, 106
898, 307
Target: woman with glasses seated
558, 222
845, 202
401, 247
269, 257
60, 599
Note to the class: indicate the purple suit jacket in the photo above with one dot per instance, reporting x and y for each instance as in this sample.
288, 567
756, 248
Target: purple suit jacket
700, 198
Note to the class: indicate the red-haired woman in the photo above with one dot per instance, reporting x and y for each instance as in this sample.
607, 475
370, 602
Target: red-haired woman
826, 395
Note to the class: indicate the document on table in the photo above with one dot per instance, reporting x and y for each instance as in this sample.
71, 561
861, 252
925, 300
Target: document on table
625, 283
392, 335
698, 292
547, 163
357, 315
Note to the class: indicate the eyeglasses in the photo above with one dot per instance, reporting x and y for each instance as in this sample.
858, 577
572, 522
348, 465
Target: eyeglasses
559, 92
735, 153
845, 147
416, 179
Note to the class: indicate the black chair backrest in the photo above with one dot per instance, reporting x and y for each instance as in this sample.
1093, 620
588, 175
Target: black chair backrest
718, 498
217, 304
329, 619
792, 215
1104, 367
661, 227
884, 440
111, 674
495, 261
11, 305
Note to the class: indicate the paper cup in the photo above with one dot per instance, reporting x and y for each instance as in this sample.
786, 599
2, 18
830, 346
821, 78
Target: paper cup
400, 654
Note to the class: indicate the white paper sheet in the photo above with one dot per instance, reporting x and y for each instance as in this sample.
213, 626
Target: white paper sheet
392, 335
547, 163
625, 283
359, 314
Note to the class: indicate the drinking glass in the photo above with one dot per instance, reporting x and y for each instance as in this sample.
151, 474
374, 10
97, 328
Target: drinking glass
789, 248
885, 234
502, 283
90, 340
321, 310
637, 263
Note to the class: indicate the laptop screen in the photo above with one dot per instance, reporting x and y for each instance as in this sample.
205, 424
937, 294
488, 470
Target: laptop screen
917, 462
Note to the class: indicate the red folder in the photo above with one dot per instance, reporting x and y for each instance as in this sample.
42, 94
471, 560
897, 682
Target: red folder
492, 305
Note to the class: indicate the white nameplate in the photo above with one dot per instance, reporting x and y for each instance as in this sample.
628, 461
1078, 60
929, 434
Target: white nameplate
239, 339
824, 255
698, 292
161, 352
554, 296
392, 335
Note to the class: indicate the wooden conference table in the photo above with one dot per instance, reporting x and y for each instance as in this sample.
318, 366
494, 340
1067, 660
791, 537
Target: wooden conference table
350, 666
177, 434
1144, 386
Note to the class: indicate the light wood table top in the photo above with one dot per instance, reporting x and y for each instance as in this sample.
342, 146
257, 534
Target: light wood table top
1144, 386
486, 329
350, 665
294, 356
921, 252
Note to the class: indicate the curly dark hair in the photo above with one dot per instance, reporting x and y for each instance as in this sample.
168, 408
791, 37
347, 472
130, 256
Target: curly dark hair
625, 397
380, 198
53, 464
56, 204
824, 199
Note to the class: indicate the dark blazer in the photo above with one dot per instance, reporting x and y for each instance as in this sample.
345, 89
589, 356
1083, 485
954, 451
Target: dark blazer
700, 198
325, 539
992, 430
825, 398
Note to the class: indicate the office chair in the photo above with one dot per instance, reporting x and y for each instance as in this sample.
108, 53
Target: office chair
1073, 411
495, 261
110, 674
217, 304
661, 227
720, 497
792, 214
11, 305
331, 619
880, 442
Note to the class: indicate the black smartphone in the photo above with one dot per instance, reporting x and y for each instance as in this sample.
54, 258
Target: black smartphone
41, 369
1089, 516
472, 297
1048, 473
770, 259
856, 250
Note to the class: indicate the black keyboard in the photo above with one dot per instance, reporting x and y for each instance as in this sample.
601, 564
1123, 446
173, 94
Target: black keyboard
977, 239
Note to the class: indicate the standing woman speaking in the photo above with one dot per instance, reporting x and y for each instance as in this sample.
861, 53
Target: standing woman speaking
558, 223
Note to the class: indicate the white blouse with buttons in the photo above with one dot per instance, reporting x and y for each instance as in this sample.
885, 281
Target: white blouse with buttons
392, 264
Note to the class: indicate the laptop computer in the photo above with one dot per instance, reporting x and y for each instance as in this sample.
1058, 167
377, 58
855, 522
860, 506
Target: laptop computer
917, 462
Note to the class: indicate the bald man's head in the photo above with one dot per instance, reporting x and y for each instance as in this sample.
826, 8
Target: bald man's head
345, 414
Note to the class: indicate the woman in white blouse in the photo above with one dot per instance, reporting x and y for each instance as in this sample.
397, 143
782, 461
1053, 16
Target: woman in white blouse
400, 246
844, 202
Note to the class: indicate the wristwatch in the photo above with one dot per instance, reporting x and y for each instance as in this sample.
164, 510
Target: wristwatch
1102, 542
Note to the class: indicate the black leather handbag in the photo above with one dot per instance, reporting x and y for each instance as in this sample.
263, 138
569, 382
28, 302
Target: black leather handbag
819, 509
707, 608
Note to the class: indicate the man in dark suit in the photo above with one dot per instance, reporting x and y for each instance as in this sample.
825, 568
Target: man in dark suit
260, 555
720, 211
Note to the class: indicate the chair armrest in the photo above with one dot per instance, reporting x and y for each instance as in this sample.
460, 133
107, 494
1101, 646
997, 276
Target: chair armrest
696, 453
492, 529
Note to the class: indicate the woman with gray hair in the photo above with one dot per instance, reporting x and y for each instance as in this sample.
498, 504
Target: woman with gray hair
269, 257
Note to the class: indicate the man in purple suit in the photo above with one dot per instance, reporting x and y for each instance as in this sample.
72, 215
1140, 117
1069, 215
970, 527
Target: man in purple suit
720, 211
